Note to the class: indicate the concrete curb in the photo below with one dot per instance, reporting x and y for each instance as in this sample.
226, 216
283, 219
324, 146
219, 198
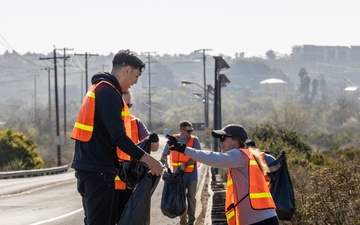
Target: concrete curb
199, 192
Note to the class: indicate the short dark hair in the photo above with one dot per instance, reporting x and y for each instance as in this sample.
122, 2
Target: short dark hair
185, 123
127, 57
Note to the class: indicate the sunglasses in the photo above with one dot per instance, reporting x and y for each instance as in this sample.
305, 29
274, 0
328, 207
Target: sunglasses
189, 131
129, 105
223, 137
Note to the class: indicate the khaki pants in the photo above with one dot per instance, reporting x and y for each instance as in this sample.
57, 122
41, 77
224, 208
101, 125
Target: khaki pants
190, 192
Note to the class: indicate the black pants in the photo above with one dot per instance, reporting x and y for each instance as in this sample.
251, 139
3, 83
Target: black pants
97, 192
121, 197
271, 221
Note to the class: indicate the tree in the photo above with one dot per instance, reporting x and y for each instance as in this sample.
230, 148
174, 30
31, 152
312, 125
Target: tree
302, 74
275, 138
270, 54
314, 84
18, 152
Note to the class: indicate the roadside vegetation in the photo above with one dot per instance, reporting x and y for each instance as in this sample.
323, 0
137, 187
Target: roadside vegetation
317, 126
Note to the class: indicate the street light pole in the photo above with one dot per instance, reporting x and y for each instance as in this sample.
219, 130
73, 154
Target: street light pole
206, 108
207, 91
220, 64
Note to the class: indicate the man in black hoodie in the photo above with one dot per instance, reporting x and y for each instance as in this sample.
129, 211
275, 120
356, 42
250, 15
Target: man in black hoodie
99, 129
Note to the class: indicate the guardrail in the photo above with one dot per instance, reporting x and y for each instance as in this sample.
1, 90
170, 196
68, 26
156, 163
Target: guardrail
34, 173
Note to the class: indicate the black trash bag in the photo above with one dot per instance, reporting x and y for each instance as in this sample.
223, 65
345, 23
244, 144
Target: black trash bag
281, 188
145, 145
173, 196
137, 209
131, 172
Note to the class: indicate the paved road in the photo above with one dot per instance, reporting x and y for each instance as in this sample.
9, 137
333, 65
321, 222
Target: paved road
54, 200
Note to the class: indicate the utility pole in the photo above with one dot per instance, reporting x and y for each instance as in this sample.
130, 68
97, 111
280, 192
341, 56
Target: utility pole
148, 58
49, 94
86, 55
102, 66
206, 108
35, 116
65, 58
58, 139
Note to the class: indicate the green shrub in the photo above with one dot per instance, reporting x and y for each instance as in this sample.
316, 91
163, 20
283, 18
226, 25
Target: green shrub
18, 152
275, 138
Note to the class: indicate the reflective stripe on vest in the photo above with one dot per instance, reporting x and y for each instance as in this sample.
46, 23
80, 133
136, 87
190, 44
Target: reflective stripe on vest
84, 124
229, 201
119, 184
178, 158
259, 193
125, 113
134, 129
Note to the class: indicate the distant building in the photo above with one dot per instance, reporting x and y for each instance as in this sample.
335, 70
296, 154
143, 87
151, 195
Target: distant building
326, 53
273, 86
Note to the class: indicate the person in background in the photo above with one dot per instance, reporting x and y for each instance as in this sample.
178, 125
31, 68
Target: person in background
188, 165
101, 126
139, 133
248, 198
266, 156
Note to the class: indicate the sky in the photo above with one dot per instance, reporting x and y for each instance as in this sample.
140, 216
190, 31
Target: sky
176, 26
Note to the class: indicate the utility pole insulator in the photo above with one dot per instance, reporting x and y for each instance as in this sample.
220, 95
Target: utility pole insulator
86, 55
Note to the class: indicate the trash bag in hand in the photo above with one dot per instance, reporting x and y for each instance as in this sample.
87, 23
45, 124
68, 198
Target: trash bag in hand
145, 145
132, 172
173, 196
137, 209
281, 188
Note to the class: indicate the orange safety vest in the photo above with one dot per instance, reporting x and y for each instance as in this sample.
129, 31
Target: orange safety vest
267, 178
178, 158
119, 184
259, 193
132, 132
134, 129
84, 124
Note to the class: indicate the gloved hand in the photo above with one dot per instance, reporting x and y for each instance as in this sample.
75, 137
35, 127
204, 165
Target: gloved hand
179, 147
175, 145
153, 137
171, 140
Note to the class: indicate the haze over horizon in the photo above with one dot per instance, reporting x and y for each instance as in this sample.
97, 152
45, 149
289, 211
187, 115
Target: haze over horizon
176, 27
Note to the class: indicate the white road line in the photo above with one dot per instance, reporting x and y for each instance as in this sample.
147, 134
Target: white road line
59, 217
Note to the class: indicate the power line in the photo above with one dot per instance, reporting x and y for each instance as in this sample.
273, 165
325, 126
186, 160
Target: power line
65, 58
86, 55
22, 57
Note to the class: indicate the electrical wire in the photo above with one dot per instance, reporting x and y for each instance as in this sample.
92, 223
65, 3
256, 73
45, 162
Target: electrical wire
22, 57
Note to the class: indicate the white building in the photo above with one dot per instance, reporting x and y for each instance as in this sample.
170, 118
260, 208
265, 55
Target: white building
273, 85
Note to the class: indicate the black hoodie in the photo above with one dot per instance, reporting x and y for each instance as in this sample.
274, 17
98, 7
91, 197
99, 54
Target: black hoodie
99, 153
